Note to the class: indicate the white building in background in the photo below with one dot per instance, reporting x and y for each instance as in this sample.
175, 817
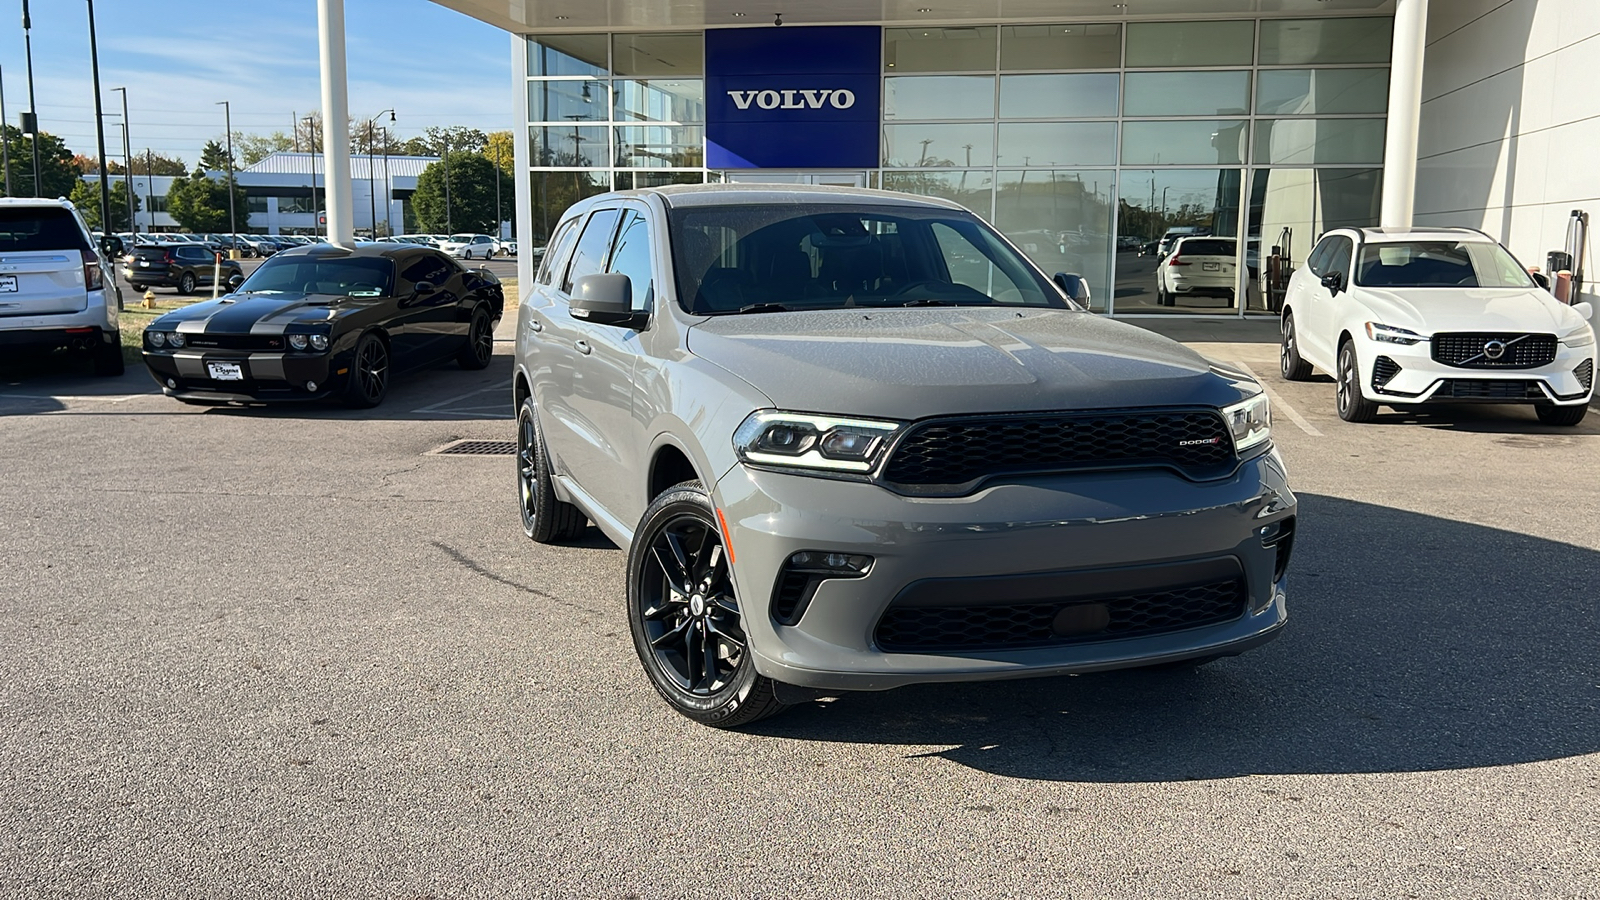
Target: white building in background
280, 189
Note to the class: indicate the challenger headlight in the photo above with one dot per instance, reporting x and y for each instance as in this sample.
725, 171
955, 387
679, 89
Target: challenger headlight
298, 341
157, 339
319, 342
806, 441
1250, 421
174, 339
1388, 334
1583, 337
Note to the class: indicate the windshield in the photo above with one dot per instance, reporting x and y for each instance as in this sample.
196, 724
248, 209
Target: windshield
361, 277
40, 228
1420, 264
461, 238
1206, 247
761, 258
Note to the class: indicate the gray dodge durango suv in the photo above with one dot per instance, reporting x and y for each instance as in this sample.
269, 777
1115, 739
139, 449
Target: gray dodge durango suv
853, 440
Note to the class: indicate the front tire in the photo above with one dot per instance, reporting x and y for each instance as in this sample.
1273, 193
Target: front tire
1565, 416
686, 620
1293, 367
1353, 407
545, 518
369, 375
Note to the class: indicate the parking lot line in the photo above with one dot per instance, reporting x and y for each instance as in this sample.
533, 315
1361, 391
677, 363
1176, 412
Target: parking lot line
1280, 403
474, 412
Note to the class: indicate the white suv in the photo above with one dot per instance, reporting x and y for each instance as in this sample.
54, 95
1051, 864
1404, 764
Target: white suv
1403, 317
55, 286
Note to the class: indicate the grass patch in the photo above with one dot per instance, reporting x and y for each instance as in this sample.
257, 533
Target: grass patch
133, 319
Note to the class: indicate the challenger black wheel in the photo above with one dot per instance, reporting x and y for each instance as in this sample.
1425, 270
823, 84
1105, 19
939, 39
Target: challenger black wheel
369, 375
480, 342
1353, 407
686, 620
1289, 362
545, 518
186, 283
1562, 415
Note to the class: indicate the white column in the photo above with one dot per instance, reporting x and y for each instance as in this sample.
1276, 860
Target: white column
336, 124
522, 205
1405, 113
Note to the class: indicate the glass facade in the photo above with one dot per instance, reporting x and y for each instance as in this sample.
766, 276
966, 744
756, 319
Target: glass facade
1097, 148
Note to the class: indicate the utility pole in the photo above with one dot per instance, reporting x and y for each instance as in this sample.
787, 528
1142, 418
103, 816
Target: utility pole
311, 137
5, 144
127, 162
227, 113
498, 220
99, 127
150, 185
31, 120
388, 186
448, 227
372, 195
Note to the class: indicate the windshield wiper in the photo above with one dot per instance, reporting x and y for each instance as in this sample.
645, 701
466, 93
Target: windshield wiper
928, 301
763, 308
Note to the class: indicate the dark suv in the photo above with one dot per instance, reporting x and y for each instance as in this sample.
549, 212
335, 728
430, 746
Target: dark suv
181, 266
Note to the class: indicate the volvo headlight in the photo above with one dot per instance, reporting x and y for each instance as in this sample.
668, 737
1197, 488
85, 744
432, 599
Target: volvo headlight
1583, 337
1388, 334
1250, 421
806, 441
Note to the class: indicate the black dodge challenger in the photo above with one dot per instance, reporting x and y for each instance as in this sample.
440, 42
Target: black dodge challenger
325, 321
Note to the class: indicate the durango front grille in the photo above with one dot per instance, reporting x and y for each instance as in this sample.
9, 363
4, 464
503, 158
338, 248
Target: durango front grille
1494, 350
945, 454
933, 629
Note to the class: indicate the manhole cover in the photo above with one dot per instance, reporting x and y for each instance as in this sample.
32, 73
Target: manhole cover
477, 448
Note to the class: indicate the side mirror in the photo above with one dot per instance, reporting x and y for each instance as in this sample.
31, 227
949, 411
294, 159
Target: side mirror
1585, 309
1074, 286
111, 246
424, 287
1333, 281
605, 300
1540, 279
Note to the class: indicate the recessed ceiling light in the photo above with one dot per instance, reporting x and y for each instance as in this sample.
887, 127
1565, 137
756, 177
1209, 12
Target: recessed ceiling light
738, 15
924, 9
562, 18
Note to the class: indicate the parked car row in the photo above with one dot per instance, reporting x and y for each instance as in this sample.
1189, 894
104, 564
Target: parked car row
249, 246
461, 246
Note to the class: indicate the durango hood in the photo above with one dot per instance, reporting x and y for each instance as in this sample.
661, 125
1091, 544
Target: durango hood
1430, 310
929, 361
244, 313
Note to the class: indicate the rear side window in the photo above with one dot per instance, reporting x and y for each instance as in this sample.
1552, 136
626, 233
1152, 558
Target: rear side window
592, 246
40, 228
429, 267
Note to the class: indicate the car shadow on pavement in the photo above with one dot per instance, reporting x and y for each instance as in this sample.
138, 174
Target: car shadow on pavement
1489, 419
1414, 643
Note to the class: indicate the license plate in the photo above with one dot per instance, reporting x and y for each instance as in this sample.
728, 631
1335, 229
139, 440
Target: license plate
224, 371
8, 284
1211, 267
144, 263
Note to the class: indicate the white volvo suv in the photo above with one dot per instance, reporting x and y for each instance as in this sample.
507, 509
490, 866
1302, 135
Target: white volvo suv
1403, 317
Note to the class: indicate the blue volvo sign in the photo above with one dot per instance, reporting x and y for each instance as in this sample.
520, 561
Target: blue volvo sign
793, 98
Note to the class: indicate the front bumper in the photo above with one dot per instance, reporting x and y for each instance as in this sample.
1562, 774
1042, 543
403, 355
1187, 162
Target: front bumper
1421, 379
269, 377
1067, 526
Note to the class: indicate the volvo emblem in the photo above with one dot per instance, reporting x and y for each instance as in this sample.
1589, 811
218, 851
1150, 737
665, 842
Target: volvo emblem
1494, 349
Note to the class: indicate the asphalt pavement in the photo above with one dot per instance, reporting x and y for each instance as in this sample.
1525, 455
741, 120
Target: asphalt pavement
291, 653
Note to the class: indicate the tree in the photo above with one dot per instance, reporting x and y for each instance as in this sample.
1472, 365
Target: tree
57, 171
200, 204
472, 180
434, 140
148, 163
253, 148
86, 197
213, 158
501, 150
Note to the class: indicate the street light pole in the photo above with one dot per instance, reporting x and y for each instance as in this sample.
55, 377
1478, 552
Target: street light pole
372, 191
498, 220
227, 113
127, 162
5, 144
33, 109
448, 227
388, 186
311, 137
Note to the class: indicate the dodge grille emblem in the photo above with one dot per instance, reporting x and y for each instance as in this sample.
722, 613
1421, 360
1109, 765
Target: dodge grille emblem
1494, 349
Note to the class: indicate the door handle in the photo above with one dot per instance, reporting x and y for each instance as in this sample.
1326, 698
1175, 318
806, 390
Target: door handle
581, 347
535, 325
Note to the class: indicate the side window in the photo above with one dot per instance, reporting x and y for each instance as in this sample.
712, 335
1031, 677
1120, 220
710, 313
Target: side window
592, 246
970, 267
430, 267
555, 250
1318, 257
1338, 258
631, 257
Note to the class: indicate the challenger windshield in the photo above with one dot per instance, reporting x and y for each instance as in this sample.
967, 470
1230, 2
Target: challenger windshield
1423, 264
354, 277
776, 258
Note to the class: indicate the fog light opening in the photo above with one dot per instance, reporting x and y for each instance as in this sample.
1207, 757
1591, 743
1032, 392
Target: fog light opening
311, 385
171, 383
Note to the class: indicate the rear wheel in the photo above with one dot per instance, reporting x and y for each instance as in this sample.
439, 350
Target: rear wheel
480, 342
369, 376
1289, 362
545, 517
186, 283
1562, 415
108, 360
1353, 407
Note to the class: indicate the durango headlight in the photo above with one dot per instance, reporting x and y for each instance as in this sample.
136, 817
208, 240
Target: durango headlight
805, 441
1250, 421
1388, 334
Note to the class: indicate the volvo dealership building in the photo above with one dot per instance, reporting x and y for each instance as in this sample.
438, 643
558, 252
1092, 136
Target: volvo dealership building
1087, 132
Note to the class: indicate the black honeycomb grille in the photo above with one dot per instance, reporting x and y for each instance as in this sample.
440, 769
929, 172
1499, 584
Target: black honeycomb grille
965, 628
1585, 373
1384, 370
1521, 351
958, 452
1475, 389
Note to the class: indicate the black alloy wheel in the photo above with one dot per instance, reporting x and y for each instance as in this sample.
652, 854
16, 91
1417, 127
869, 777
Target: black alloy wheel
369, 375
1293, 367
186, 283
479, 350
545, 518
685, 616
1353, 407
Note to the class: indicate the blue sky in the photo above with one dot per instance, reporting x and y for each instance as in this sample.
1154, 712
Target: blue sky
179, 57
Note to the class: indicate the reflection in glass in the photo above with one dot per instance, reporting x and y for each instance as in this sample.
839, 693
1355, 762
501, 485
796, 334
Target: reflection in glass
939, 97
571, 146
1159, 44
644, 178
1062, 220
661, 146
678, 54
1313, 141
567, 54
1304, 92
1156, 207
554, 192
1187, 94
970, 189
938, 145
557, 101
1058, 143
1193, 142
1298, 42
1085, 96
1060, 47
1289, 209
935, 49
661, 100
